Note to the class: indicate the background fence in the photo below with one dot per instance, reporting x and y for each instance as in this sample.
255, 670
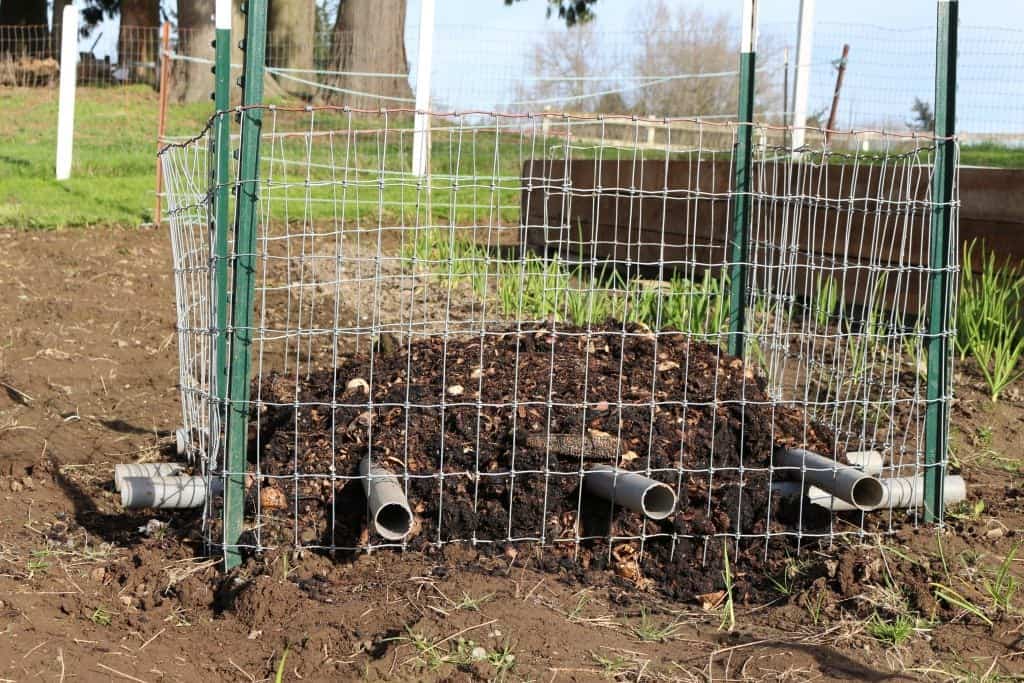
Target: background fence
656, 71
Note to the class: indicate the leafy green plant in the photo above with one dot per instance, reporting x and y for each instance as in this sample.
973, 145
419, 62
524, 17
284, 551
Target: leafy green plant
990, 322
101, 617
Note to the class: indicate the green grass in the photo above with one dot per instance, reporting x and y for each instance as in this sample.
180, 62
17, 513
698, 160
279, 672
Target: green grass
893, 632
475, 172
114, 161
113, 175
991, 154
650, 630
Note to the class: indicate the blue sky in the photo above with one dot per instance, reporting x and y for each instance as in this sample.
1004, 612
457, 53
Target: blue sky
615, 14
891, 59
481, 47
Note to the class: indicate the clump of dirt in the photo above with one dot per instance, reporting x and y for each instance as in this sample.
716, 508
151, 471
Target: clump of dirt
493, 433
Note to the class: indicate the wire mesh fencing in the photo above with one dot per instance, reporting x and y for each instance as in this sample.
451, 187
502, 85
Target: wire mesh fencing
30, 57
524, 348
666, 68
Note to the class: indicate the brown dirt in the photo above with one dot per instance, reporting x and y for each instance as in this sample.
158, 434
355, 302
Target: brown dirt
504, 481
89, 370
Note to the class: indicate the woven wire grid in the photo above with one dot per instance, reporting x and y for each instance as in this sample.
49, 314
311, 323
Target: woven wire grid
186, 185
548, 298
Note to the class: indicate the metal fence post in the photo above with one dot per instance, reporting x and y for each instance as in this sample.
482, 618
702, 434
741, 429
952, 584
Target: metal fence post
939, 295
219, 215
741, 182
243, 285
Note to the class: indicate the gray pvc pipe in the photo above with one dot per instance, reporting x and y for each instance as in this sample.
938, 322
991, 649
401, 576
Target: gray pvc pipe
900, 492
169, 493
631, 490
847, 483
145, 469
389, 508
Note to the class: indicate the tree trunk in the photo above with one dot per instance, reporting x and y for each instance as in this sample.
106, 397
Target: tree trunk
369, 36
193, 81
23, 12
139, 40
291, 40
25, 32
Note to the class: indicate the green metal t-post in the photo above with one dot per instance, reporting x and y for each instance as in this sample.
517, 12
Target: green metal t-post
939, 309
221, 197
739, 238
243, 286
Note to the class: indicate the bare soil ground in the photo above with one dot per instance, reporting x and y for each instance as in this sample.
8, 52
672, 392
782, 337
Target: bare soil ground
89, 372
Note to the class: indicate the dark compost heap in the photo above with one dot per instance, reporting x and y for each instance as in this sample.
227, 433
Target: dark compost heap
488, 407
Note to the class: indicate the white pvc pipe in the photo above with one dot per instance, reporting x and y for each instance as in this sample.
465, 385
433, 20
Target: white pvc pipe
868, 462
805, 39
389, 509
843, 481
631, 490
900, 492
68, 76
421, 125
181, 440
908, 492
145, 469
169, 493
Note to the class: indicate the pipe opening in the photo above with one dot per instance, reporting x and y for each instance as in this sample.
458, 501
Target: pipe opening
867, 493
393, 521
659, 501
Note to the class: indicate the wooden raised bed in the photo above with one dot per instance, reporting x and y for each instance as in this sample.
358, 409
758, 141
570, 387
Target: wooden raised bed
660, 218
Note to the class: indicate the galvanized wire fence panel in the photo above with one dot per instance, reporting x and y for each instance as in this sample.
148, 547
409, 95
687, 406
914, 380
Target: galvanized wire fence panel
186, 184
548, 307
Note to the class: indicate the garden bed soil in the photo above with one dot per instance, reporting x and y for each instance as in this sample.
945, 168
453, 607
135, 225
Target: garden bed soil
91, 592
498, 416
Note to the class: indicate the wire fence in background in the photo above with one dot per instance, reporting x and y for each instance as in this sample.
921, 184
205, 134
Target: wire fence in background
649, 73
889, 68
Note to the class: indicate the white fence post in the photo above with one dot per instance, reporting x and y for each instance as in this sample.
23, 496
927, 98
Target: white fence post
421, 126
804, 42
68, 76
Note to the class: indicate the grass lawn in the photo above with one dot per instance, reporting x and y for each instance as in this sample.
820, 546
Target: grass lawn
990, 154
475, 172
114, 164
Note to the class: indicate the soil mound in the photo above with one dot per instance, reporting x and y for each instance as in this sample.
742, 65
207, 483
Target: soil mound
494, 431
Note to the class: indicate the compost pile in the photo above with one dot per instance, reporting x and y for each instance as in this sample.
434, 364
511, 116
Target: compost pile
542, 404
